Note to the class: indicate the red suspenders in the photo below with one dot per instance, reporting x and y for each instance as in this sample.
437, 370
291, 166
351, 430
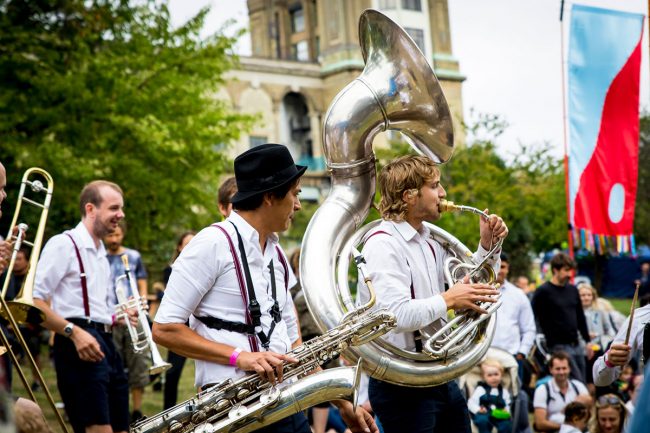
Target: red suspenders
416, 334
82, 277
242, 287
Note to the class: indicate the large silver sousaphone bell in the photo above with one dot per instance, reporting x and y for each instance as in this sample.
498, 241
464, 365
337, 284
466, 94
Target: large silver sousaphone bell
397, 90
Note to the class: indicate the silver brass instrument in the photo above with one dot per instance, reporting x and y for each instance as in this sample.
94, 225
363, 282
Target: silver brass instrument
397, 90
22, 309
460, 332
250, 403
141, 338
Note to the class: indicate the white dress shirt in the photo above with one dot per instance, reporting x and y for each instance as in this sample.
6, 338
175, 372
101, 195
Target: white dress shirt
58, 279
558, 401
204, 282
402, 257
566, 428
515, 328
603, 375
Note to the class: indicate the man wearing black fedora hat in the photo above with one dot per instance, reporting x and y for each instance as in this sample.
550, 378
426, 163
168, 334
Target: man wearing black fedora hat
231, 281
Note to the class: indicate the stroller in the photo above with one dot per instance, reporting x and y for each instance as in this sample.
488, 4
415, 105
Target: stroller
539, 356
510, 381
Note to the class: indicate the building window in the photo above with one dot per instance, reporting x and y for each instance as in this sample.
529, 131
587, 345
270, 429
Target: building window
297, 20
255, 141
412, 5
418, 37
387, 4
300, 51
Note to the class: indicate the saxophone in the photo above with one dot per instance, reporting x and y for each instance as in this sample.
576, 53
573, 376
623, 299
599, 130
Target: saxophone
250, 403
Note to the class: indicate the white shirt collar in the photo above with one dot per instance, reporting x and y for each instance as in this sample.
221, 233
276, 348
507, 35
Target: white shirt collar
86, 240
247, 231
407, 231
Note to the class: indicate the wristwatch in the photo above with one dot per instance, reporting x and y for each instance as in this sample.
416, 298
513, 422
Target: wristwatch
67, 331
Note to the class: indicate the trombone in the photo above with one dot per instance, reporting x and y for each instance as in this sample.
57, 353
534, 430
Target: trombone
140, 334
22, 309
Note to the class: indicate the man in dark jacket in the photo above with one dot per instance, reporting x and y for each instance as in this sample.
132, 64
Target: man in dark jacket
560, 317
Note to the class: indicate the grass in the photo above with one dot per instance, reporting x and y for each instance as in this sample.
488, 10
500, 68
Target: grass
152, 402
622, 305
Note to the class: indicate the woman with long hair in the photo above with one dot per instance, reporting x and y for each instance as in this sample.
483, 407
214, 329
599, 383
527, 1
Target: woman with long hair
609, 416
600, 330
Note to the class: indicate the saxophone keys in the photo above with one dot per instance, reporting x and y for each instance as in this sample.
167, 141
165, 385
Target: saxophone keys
175, 427
238, 411
270, 396
204, 428
243, 393
221, 405
199, 417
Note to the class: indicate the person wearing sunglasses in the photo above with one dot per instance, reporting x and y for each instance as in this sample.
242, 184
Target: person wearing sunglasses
610, 414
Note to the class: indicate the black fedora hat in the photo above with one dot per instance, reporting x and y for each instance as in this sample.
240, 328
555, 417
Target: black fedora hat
262, 169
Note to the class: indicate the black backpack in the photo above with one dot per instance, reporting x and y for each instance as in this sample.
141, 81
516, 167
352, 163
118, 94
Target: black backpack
548, 390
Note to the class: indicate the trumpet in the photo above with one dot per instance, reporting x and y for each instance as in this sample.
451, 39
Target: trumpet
140, 334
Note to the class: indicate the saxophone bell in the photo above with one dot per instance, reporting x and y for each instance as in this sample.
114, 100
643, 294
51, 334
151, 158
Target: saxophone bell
250, 403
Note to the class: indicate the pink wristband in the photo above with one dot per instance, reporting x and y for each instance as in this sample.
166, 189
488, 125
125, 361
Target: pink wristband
234, 356
607, 362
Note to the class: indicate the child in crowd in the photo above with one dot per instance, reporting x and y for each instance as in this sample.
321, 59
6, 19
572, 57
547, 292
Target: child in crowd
635, 387
489, 405
576, 418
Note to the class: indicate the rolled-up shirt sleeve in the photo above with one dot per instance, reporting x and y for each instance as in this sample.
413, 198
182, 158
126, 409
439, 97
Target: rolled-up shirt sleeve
193, 274
391, 278
52, 267
290, 318
604, 375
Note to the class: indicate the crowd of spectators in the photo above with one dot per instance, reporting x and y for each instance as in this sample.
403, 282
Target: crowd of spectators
580, 384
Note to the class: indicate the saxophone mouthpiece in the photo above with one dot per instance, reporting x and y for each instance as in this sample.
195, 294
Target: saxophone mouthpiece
447, 206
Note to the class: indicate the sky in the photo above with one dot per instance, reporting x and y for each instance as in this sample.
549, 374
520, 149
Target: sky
510, 52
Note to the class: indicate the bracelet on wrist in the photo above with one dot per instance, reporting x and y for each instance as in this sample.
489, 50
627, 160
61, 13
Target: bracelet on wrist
608, 363
234, 356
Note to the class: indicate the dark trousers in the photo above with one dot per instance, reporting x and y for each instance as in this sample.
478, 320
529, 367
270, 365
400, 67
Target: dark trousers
94, 393
293, 424
438, 409
172, 377
485, 424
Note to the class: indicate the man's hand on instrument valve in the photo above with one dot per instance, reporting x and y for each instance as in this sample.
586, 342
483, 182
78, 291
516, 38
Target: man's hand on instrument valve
492, 230
132, 313
464, 296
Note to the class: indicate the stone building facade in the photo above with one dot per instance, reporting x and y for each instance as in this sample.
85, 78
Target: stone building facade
303, 52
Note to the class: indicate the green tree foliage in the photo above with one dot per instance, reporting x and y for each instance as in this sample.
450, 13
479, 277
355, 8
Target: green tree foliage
642, 212
109, 89
527, 192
